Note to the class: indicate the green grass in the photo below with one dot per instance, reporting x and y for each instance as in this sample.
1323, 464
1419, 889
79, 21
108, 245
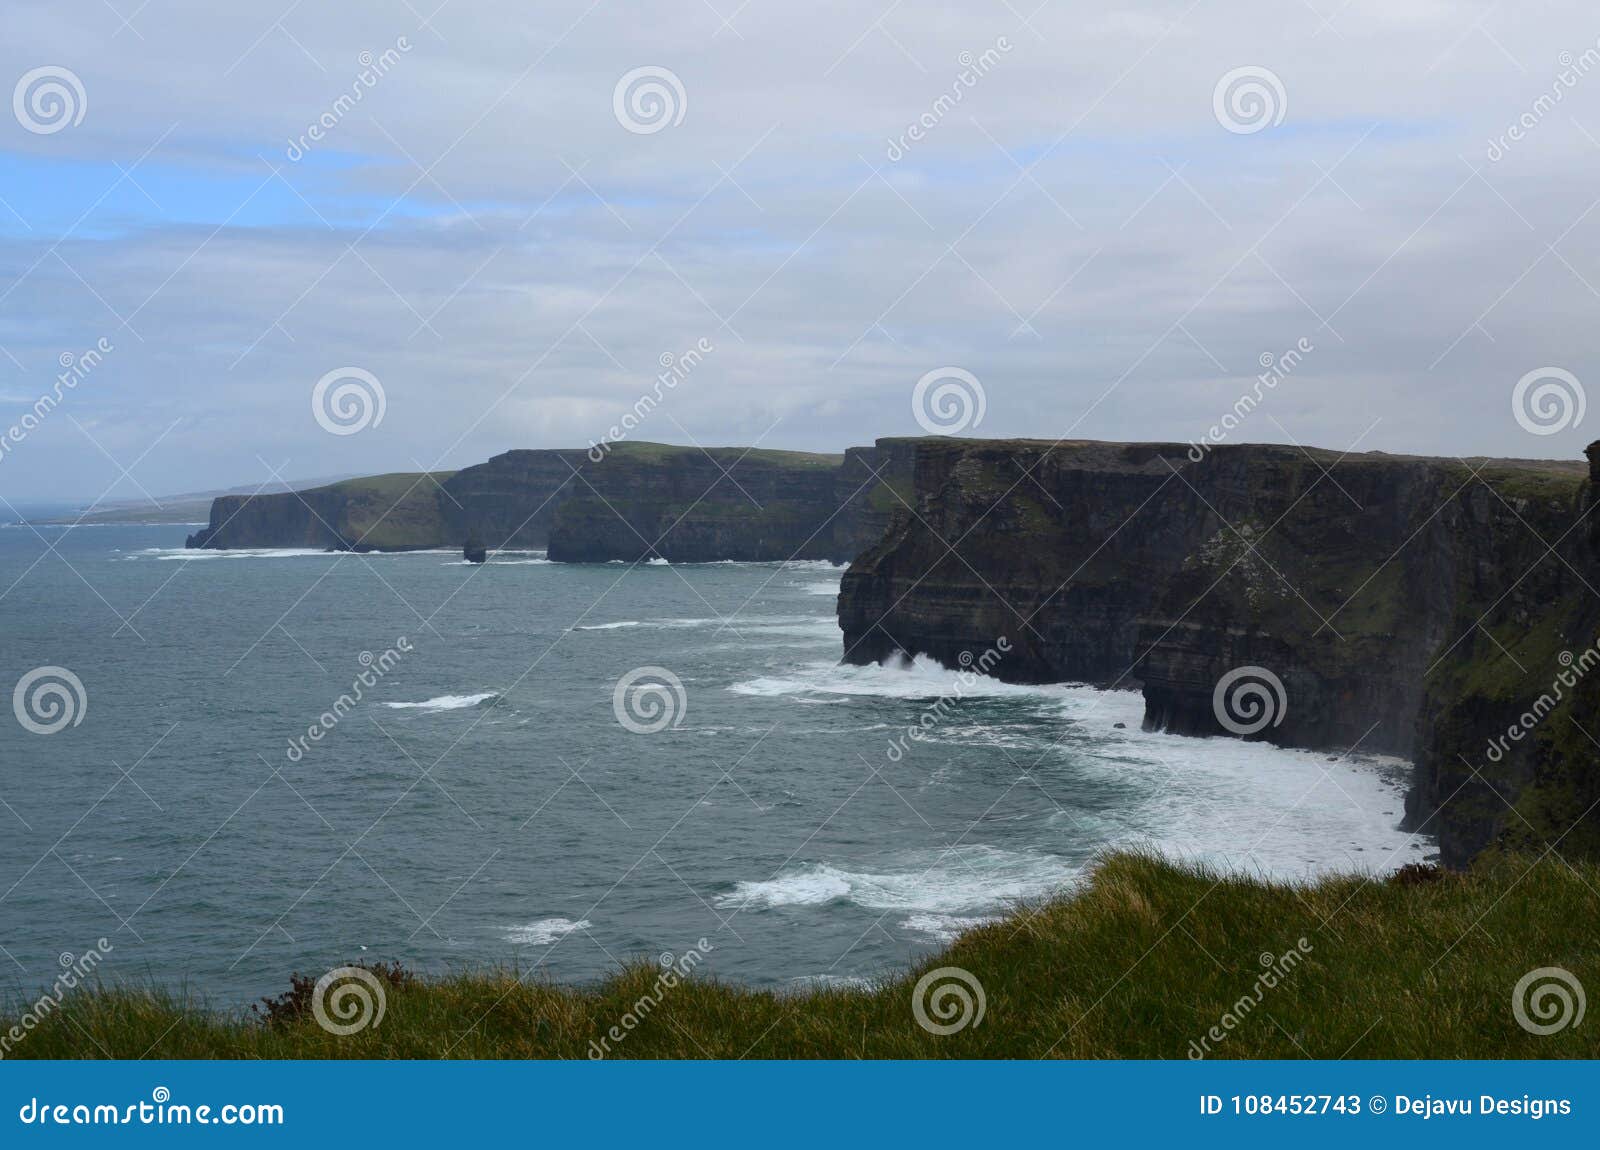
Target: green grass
396, 510
1143, 960
645, 451
391, 485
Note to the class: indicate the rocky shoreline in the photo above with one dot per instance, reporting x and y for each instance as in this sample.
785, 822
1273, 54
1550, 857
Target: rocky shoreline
1356, 602
1396, 604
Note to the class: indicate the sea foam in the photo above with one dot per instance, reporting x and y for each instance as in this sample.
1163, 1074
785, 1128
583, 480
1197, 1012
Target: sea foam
445, 702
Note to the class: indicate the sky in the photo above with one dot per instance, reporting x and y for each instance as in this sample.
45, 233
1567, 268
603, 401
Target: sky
1108, 222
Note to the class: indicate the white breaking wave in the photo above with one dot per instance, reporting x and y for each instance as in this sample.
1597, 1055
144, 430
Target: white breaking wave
833, 981
944, 927
185, 553
795, 626
445, 702
812, 565
965, 879
545, 931
122, 523
922, 678
493, 562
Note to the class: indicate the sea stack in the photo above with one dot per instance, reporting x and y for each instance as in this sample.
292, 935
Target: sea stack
474, 551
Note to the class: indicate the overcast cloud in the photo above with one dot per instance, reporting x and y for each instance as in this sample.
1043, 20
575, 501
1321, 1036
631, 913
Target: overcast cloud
1082, 231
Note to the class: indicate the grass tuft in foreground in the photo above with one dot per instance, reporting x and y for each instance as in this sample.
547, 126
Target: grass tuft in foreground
1148, 960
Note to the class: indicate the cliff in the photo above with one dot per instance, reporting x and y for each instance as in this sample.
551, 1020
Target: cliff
1406, 605
631, 502
398, 512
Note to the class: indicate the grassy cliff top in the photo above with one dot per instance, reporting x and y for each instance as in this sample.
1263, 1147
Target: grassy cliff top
1324, 455
664, 452
388, 486
1146, 959
645, 451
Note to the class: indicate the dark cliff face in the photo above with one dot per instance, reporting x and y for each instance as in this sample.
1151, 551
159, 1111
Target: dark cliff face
635, 501
510, 501
1404, 605
381, 513
725, 503
702, 506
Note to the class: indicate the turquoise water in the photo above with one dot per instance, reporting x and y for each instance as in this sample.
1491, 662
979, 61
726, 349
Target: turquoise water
483, 804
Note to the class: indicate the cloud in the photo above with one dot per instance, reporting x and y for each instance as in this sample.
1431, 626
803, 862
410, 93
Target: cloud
1078, 230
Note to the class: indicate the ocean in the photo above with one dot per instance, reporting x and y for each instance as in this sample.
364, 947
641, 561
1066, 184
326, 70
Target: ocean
492, 799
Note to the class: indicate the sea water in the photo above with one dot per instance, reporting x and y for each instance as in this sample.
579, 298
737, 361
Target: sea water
482, 803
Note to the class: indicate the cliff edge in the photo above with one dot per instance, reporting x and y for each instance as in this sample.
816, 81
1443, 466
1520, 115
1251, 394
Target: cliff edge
627, 501
1397, 604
